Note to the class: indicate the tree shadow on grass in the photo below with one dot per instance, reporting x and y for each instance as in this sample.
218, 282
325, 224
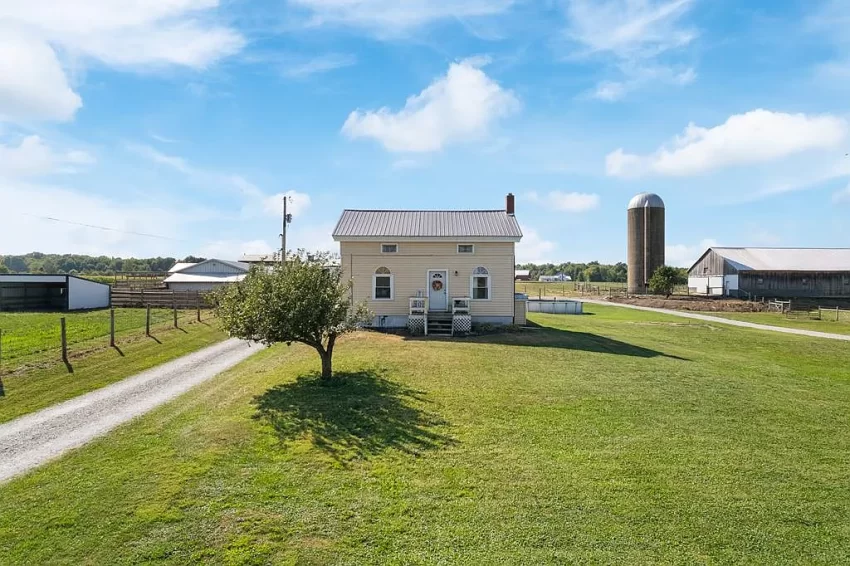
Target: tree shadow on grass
355, 416
535, 335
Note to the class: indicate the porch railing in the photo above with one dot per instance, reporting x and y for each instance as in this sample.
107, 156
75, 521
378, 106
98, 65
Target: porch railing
418, 305
461, 305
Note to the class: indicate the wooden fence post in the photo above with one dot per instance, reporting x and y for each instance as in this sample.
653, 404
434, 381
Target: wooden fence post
836, 314
112, 327
148, 321
64, 336
198, 305
175, 316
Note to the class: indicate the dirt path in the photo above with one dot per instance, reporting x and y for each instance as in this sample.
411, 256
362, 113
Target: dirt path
730, 322
34, 439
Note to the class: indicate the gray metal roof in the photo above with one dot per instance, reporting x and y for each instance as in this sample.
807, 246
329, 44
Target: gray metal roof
786, 259
366, 224
643, 200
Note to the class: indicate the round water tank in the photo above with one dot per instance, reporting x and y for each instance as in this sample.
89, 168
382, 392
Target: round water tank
645, 240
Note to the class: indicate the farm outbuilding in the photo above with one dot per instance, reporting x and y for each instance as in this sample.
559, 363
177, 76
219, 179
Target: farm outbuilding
35, 292
205, 276
772, 272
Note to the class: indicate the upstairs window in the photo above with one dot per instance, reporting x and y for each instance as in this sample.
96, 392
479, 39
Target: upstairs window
382, 285
480, 284
465, 249
389, 248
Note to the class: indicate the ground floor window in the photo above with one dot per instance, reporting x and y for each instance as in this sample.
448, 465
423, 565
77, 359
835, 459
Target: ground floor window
480, 284
382, 285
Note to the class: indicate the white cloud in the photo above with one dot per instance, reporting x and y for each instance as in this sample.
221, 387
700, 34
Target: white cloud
681, 255
635, 34
640, 76
297, 206
22, 233
573, 202
629, 28
33, 157
318, 65
758, 136
33, 85
460, 106
118, 33
533, 248
391, 17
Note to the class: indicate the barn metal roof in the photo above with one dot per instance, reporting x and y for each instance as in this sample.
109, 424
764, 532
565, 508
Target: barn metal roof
643, 200
366, 224
787, 259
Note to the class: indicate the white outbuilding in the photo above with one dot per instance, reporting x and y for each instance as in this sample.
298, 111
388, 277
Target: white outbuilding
37, 292
206, 275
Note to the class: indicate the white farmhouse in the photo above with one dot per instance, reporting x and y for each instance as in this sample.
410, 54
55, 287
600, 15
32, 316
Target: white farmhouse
431, 267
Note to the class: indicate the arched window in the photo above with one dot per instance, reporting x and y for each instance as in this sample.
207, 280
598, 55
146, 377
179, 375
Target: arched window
382, 285
479, 284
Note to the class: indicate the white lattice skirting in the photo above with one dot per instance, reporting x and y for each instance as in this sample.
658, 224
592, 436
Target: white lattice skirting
461, 324
416, 324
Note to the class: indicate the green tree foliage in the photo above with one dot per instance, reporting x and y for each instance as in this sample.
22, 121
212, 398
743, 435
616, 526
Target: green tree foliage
665, 279
304, 301
3, 268
593, 271
87, 265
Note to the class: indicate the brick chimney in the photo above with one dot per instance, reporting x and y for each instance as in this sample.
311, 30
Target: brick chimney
509, 204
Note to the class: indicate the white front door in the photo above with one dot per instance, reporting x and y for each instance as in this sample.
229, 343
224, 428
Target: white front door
438, 290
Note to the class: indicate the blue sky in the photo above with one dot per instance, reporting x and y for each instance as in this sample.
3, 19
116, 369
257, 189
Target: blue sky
188, 119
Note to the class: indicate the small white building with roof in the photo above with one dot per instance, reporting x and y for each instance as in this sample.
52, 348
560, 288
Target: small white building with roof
206, 275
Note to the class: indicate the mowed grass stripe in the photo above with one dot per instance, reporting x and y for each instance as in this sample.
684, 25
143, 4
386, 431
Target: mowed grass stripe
619, 436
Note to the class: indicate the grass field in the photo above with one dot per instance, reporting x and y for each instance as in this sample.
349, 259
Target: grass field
779, 319
28, 334
614, 437
45, 382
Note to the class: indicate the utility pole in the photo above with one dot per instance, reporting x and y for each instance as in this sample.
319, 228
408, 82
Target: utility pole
287, 218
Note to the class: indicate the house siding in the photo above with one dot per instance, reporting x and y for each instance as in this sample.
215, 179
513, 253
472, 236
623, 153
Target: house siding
410, 266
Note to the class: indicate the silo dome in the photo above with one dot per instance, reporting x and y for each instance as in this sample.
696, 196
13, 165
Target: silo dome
643, 200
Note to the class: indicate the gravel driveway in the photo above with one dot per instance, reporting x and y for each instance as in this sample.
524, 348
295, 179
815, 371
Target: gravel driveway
34, 439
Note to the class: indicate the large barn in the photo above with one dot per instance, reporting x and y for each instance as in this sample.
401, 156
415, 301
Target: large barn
772, 272
36, 292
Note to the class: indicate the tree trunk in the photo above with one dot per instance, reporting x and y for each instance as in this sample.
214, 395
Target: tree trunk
327, 353
327, 364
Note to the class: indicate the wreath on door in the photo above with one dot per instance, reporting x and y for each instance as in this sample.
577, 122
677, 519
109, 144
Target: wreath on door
437, 285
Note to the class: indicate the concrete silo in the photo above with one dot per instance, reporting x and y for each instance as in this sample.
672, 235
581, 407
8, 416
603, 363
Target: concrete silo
646, 240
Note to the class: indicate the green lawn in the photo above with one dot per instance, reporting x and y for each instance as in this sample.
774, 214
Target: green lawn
614, 437
46, 381
779, 319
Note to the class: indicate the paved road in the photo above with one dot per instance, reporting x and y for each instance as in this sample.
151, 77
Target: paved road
719, 320
34, 439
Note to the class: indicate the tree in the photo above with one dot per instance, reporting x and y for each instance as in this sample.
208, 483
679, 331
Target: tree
303, 301
665, 279
3, 268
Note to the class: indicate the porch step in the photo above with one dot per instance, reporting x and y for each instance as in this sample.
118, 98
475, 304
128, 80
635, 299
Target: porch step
440, 323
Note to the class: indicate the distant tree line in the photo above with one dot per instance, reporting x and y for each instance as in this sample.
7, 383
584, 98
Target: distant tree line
83, 264
593, 271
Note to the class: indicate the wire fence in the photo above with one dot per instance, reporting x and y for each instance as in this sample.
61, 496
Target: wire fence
29, 337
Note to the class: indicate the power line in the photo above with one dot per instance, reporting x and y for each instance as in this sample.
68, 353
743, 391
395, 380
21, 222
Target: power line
104, 228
